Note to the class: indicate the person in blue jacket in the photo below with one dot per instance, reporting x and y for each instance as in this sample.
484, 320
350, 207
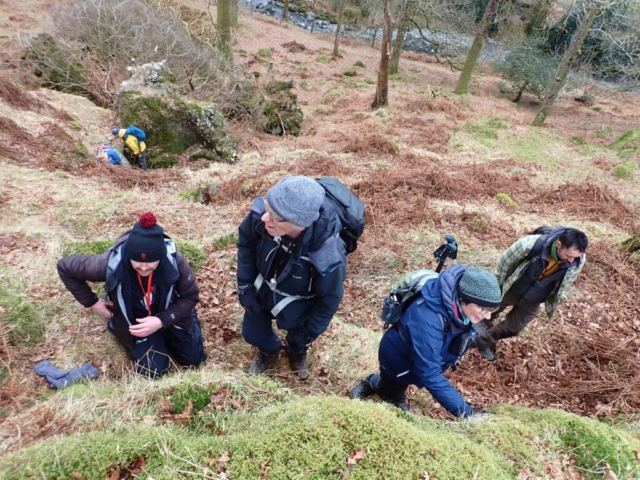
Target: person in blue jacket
431, 336
291, 268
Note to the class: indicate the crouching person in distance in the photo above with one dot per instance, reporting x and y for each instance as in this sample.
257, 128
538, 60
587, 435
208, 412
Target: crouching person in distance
150, 299
431, 336
291, 267
537, 268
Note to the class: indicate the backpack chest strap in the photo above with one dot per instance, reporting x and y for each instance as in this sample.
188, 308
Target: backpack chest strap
288, 298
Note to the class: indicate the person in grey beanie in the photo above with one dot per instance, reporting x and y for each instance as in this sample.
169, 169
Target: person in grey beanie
431, 336
291, 268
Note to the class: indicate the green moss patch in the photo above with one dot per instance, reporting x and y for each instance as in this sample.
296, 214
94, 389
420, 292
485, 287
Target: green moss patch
506, 200
87, 248
624, 170
194, 254
485, 132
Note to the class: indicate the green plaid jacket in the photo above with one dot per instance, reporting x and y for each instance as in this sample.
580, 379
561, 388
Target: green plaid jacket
512, 263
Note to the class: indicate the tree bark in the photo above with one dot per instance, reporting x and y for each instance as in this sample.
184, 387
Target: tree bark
403, 27
472, 57
568, 60
382, 89
285, 11
223, 40
336, 43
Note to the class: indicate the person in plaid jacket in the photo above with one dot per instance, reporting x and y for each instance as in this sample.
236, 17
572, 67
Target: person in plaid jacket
537, 268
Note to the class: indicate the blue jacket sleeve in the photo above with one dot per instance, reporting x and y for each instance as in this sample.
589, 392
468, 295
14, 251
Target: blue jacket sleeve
329, 290
427, 338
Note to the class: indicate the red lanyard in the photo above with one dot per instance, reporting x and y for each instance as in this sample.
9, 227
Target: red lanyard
147, 294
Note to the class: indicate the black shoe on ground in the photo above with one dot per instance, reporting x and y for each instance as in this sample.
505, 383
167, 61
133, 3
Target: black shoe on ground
299, 364
363, 390
261, 363
487, 354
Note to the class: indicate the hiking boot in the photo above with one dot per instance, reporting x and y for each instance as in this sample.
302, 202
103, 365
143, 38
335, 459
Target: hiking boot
365, 388
261, 363
299, 364
487, 354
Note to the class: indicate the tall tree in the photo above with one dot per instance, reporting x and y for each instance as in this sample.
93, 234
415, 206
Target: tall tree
223, 40
539, 13
285, 11
382, 88
403, 27
336, 43
570, 56
472, 57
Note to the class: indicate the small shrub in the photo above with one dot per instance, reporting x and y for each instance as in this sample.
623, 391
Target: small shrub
281, 111
264, 53
194, 255
359, 64
506, 200
332, 94
26, 324
221, 243
304, 86
349, 72
323, 58
624, 171
528, 68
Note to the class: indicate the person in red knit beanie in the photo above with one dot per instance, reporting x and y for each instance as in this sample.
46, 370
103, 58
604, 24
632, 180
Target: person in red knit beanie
150, 297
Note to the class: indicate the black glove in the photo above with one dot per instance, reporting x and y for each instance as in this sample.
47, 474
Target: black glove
248, 299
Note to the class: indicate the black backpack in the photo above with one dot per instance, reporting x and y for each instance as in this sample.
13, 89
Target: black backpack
350, 209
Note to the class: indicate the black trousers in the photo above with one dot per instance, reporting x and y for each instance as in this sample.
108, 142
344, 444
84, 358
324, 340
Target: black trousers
153, 354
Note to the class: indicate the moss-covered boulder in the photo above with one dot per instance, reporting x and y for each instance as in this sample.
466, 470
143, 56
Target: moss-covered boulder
283, 116
174, 125
629, 139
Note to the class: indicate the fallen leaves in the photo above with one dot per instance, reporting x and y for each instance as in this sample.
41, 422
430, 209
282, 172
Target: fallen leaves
124, 471
355, 457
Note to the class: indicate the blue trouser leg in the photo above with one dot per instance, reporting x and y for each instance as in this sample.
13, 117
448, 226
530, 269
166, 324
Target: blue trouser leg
257, 330
186, 348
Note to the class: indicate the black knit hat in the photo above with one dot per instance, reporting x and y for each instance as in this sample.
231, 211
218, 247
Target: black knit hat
146, 240
480, 287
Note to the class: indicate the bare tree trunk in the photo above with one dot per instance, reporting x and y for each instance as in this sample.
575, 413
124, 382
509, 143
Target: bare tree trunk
403, 27
567, 61
472, 57
285, 11
382, 89
336, 43
224, 28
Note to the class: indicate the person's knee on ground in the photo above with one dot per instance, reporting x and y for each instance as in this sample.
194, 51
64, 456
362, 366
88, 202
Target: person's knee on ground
153, 364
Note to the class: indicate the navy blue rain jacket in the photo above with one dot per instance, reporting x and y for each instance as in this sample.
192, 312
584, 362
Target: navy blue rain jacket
317, 266
425, 357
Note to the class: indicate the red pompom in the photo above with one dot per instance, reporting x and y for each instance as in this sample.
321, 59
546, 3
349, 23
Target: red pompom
147, 220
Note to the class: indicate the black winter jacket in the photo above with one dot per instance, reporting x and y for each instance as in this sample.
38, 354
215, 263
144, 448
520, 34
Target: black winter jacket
316, 270
176, 287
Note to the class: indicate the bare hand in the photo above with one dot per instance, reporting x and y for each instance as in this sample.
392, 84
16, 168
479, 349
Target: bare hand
145, 327
102, 308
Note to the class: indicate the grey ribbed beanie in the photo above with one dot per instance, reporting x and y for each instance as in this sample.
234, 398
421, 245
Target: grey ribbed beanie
480, 287
297, 200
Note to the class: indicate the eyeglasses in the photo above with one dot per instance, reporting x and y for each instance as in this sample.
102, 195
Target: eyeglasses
274, 216
489, 310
